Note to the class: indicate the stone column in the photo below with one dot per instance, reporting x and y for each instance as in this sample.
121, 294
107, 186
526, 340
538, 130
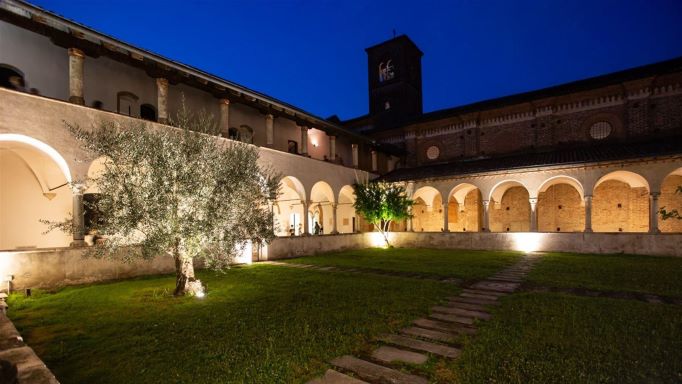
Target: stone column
533, 214
486, 215
374, 161
332, 148
224, 123
446, 208
76, 58
354, 148
653, 212
78, 215
588, 213
162, 99
409, 190
269, 130
304, 140
335, 230
306, 204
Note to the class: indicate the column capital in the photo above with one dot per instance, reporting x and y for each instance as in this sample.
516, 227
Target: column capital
486, 203
654, 195
76, 52
224, 101
78, 188
161, 81
331, 137
587, 197
269, 116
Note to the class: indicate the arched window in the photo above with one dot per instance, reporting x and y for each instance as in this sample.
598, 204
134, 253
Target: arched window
12, 78
233, 134
148, 112
246, 134
126, 103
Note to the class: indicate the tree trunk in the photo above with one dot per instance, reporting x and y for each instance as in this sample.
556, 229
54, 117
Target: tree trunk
185, 282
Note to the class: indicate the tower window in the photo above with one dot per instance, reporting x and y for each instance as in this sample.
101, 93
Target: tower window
387, 105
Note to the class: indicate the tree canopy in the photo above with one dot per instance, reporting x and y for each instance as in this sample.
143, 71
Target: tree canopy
382, 203
181, 192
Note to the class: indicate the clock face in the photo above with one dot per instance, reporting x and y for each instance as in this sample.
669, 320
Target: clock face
386, 71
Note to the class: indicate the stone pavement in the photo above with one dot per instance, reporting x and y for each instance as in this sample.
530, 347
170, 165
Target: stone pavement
435, 335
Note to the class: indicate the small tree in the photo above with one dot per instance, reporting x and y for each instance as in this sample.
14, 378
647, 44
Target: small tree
382, 203
673, 213
180, 192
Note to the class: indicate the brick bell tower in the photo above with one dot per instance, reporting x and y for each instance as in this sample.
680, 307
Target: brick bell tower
395, 82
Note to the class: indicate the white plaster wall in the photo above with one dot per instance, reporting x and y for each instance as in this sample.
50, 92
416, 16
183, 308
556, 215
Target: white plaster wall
45, 66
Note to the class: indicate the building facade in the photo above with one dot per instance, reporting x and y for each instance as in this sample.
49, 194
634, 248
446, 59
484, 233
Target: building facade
600, 154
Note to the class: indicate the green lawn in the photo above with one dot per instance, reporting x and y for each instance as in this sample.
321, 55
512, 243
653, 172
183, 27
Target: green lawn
259, 324
555, 338
441, 262
645, 274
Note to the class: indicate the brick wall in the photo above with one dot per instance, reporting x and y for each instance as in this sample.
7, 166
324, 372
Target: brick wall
560, 209
618, 208
512, 214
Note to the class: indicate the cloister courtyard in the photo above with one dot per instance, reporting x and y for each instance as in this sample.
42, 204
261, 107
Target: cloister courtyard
548, 317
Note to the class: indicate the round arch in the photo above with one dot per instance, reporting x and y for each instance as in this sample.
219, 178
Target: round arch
321, 215
498, 191
466, 213
8, 138
427, 194
427, 210
620, 203
34, 186
563, 179
347, 221
321, 191
561, 205
460, 191
634, 180
289, 207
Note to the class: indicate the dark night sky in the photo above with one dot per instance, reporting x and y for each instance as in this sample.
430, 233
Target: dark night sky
311, 53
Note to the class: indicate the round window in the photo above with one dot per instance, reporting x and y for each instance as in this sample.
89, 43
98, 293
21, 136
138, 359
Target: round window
433, 152
600, 130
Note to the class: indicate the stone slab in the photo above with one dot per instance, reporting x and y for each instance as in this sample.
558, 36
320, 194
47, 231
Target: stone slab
424, 333
334, 377
478, 296
462, 312
452, 318
482, 292
496, 286
473, 307
375, 372
420, 345
389, 355
473, 300
443, 326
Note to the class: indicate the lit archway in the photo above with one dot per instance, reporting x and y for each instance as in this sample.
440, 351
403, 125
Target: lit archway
509, 208
561, 205
288, 207
320, 209
34, 186
346, 219
427, 211
671, 199
465, 209
620, 203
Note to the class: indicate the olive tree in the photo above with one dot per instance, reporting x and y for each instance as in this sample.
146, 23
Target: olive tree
382, 203
180, 192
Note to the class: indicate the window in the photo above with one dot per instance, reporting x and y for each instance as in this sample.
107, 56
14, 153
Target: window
432, 152
126, 103
148, 112
387, 105
11, 78
233, 134
246, 134
600, 130
292, 147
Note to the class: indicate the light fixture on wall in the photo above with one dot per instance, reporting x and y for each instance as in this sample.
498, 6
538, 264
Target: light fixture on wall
314, 143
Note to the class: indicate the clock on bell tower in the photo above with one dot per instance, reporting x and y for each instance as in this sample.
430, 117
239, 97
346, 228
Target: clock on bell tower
395, 82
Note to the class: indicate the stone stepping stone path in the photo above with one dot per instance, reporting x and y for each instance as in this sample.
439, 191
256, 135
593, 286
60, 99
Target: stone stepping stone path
436, 335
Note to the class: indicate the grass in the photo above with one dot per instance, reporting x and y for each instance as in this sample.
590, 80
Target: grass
555, 338
644, 274
259, 324
468, 265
